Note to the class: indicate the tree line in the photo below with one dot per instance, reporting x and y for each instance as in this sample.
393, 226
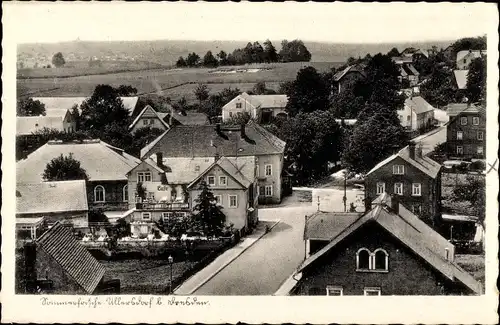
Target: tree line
291, 51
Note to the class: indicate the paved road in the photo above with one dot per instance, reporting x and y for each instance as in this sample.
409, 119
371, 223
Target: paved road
262, 268
431, 139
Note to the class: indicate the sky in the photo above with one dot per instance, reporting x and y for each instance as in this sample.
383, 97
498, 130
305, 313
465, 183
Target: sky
326, 22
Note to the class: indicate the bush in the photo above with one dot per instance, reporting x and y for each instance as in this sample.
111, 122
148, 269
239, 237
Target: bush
477, 165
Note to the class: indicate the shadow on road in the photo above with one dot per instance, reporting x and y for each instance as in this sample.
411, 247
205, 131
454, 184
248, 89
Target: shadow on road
280, 227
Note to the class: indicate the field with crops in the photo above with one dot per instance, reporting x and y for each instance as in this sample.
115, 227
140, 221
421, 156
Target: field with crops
170, 82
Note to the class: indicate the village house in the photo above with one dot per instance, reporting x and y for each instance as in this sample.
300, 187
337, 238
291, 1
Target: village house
347, 76
387, 250
417, 114
262, 108
148, 117
56, 263
41, 204
464, 58
414, 53
466, 130
51, 103
209, 141
414, 178
105, 165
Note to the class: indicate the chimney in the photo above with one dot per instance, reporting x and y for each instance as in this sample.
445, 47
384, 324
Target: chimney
159, 159
216, 156
411, 147
242, 130
418, 152
395, 204
30, 266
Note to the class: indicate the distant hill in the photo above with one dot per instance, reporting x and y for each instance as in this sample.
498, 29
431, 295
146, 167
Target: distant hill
167, 52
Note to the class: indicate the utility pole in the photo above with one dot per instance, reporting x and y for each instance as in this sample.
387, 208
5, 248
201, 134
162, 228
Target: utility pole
345, 191
318, 203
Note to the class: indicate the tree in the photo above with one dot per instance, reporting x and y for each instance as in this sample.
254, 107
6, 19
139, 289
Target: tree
213, 106
201, 92
209, 60
270, 54
440, 89
141, 138
208, 217
257, 53
222, 57
181, 62
294, 51
474, 192
393, 52
308, 92
259, 88
285, 87
58, 60
126, 90
469, 43
476, 81
64, 168
240, 118
193, 60
30, 107
373, 140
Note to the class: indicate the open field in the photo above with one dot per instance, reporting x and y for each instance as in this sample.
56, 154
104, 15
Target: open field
158, 80
474, 264
82, 68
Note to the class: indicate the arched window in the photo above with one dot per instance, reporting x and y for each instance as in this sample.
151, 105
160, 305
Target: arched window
99, 194
381, 260
363, 259
125, 193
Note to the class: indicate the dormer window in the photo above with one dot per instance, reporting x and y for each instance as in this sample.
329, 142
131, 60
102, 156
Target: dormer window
238, 105
377, 261
211, 180
398, 169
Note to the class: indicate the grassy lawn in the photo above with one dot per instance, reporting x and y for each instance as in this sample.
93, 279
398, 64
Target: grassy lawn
474, 264
144, 276
150, 81
448, 183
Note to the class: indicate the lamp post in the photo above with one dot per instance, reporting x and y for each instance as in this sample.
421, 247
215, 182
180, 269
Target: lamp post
345, 191
170, 262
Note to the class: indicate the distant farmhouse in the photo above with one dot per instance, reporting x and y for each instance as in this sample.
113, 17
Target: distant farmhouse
416, 114
466, 131
262, 108
349, 75
464, 58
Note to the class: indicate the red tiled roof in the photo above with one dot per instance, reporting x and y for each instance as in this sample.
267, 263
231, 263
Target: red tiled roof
76, 261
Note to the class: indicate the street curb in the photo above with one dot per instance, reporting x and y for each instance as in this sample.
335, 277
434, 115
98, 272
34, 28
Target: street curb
231, 260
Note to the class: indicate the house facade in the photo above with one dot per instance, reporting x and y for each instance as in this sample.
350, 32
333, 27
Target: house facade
207, 142
148, 117
382, 252
417, 114
414, 178
262, 108
464, 58
105, 165
466, 131
347, 76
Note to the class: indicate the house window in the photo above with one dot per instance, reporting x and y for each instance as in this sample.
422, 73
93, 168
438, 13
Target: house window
380, 187
363, 260
269, 170
398, 188
125, 193
380, 260
151, 121
460, 135
233, 201
398, 169
145, 122
166, 216
371, 291
408, 118
146, 216
480, 150
334, 291
222, 180
460, 150
197, 168
269, 190
262, 190
417, 209
480, 135
144, 177
416, 189
238, 105
475, 120
173, 195
99, 194
211, 180
463, 120
218, 199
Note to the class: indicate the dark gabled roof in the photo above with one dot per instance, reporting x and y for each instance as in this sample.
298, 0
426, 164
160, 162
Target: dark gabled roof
327, 225
205, 141
414, 235
352, 68
75, 260
423, 163
455, 109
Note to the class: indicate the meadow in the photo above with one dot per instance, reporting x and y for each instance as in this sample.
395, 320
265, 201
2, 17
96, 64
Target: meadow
174, 83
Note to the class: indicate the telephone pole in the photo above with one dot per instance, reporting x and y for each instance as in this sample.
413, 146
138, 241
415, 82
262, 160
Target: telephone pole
345, 191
